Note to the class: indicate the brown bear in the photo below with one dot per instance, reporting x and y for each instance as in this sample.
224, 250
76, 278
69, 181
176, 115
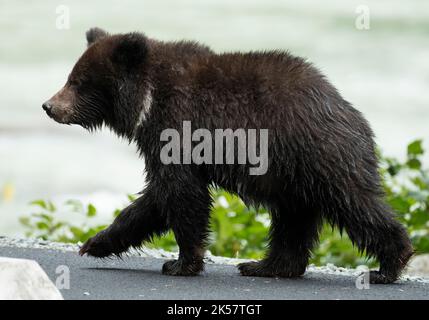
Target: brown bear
321, 163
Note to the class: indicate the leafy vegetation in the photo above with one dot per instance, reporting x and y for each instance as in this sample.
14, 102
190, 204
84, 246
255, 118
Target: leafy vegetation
45, 223
239, 231
407, 190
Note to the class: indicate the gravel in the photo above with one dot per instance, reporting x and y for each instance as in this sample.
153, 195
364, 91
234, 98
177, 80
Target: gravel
209, 258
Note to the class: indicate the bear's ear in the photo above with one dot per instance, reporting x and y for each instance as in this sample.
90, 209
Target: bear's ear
130, 50
94, 34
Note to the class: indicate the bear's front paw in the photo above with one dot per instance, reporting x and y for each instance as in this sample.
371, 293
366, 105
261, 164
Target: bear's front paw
99, 246
181, 268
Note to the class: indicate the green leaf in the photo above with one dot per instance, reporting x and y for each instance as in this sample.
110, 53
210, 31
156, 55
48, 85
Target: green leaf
415, 148
50, 207
414, 164
116, 213
91, 211
44, 216
39, 203
77, 232
400, 204
132, 197
421, 244
42, 226
25, 221
419, 218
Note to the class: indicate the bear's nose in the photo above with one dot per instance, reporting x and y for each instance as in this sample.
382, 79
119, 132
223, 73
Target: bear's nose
47, 107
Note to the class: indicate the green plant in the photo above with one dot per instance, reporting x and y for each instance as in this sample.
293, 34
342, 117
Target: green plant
407, 190
240, 231
46, 225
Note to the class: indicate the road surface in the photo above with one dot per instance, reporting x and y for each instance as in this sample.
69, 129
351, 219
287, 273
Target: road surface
141, 278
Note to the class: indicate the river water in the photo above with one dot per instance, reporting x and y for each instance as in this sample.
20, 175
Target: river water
383, 71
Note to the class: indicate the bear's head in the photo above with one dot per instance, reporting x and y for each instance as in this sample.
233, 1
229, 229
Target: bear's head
103, 74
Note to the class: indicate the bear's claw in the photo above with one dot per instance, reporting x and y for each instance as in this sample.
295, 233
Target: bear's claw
97, 246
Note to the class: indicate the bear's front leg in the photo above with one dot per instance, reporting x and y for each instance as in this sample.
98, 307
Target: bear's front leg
139, 222
187, 205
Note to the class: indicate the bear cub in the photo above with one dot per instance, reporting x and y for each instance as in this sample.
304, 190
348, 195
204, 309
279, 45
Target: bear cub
321, 163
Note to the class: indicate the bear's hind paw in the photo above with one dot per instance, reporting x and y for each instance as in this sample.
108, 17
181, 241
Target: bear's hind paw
266, 269
180, 268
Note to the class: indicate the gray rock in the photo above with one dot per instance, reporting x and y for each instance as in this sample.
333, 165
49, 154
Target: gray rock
419, 266
22, 279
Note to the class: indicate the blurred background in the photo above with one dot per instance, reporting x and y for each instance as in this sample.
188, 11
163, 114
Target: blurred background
383, 71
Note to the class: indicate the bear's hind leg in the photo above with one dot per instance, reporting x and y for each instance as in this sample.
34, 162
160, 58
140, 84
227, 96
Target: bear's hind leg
294, 232
372, 226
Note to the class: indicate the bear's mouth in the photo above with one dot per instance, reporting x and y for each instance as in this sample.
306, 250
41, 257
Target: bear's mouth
63, 119
60, 110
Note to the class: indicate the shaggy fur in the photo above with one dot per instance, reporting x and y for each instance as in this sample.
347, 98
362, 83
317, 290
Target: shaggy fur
322, 163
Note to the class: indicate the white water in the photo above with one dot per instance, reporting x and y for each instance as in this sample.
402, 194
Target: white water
383, 71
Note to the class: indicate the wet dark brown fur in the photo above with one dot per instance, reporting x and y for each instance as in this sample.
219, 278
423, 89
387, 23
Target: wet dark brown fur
322, 163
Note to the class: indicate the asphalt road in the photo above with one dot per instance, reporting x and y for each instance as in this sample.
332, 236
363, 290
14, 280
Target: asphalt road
141, 278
